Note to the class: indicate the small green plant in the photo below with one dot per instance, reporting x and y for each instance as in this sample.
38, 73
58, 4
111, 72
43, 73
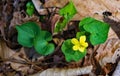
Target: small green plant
95, 30
92, 30
30, 34
67, 13
30, 8
74, 49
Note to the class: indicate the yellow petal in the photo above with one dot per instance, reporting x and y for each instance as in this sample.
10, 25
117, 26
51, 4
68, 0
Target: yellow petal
85, 44
75, 48
81, 49
75, 41
82, 39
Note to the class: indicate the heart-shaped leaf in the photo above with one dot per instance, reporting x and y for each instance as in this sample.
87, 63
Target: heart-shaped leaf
45, 35
27, 32
70, 54
42, 46
98, 30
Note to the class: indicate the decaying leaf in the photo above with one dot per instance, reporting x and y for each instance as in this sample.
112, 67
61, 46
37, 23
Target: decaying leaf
20, 67
5, 52
89, 8
66, 72
17, 60
56, 3
108, 52
21, 17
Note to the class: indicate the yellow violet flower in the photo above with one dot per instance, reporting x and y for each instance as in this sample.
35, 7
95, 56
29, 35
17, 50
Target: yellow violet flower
80, 45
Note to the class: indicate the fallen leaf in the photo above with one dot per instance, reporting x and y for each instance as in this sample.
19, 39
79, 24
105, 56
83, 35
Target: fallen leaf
5, 52
20, 67
55, 3
108, 53
66, 71
21, 17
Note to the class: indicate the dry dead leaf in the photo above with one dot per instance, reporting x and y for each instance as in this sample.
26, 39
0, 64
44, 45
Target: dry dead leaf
5, 52
21, 17
20, 67
56, 3
108, 52
66, 72
95, 8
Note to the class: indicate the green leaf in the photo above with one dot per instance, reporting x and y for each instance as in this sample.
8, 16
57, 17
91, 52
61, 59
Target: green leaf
59, 26
43, 47
98, 30
30, 8
30, 34
45, 35
84, 21
27, 32
67, 12
41, 43
70, 54
80, 34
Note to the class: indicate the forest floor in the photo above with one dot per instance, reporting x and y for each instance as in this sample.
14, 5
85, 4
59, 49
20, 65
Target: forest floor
16, 60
